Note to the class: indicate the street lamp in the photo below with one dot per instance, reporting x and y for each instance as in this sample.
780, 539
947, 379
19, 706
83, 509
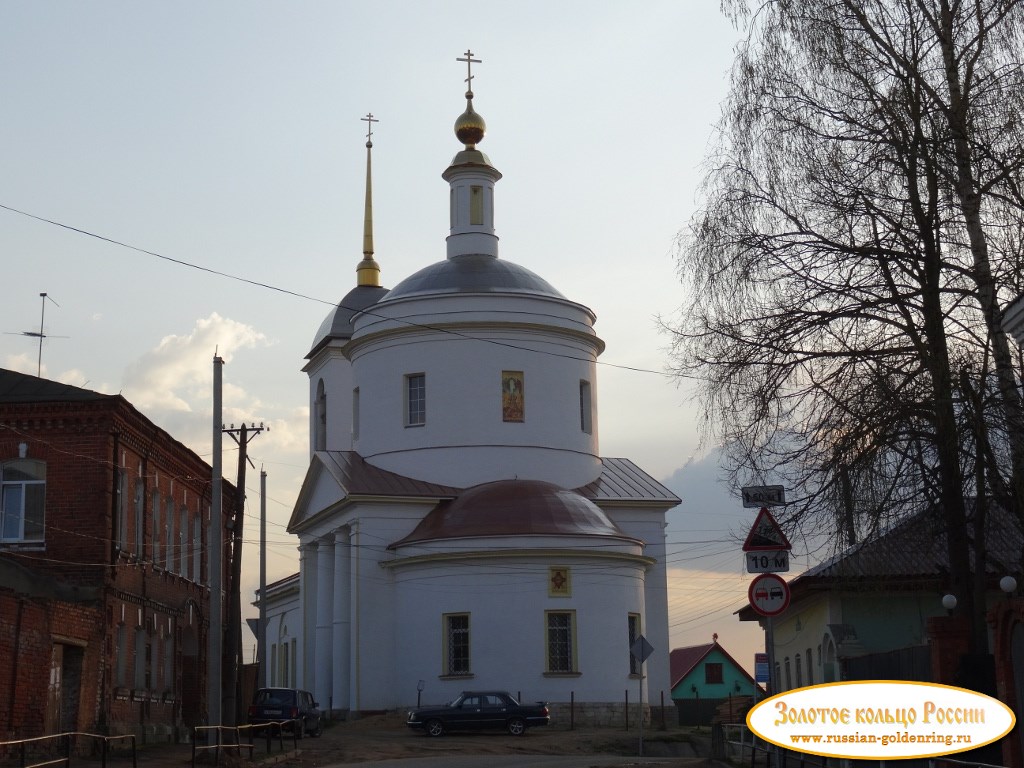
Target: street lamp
949, 602
1008, 584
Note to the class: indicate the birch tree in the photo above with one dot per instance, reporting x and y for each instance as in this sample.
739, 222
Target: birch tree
860, 234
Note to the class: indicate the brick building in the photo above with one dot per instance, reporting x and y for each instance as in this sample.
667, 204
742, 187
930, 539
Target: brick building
104, 598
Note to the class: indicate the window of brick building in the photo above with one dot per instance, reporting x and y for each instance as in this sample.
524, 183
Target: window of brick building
22, 512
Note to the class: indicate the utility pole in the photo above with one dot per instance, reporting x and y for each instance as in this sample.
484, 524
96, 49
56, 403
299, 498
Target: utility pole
233, 642
261, 629
214, 670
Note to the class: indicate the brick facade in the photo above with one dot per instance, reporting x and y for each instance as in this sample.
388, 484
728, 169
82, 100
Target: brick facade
104, 621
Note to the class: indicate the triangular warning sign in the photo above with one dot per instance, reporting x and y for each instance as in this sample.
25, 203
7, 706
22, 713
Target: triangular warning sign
765, 534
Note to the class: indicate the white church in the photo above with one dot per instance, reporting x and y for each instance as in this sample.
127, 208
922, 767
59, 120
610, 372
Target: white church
458, 528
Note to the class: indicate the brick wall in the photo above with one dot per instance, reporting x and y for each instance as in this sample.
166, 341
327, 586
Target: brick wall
102, 579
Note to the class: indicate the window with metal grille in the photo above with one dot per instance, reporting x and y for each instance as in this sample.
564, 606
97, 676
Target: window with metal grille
457, 644
634, 634
560, 641
713, 672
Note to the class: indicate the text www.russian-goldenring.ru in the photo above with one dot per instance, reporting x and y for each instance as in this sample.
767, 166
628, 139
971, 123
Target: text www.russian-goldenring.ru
885, 740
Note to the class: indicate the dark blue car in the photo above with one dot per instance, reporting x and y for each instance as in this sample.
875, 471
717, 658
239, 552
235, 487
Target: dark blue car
292, 707
478, 710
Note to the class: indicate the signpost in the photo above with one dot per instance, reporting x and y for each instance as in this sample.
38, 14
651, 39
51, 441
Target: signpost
640, 650
766, 535
769, 594
761, 667
755, 496
766, 552
768, 561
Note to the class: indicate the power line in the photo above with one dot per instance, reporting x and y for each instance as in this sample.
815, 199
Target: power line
296, 294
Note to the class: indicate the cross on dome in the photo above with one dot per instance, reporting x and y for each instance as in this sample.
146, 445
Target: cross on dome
470, 61
369, 120
470, 127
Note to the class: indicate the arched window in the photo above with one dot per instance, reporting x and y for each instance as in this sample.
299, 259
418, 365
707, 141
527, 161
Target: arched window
320, 424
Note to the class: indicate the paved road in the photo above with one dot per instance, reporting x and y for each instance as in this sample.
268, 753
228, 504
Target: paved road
529, 761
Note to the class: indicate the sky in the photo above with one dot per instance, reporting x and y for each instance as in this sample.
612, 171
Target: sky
186, 179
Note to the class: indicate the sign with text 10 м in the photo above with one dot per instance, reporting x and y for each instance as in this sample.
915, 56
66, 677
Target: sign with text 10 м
766, 549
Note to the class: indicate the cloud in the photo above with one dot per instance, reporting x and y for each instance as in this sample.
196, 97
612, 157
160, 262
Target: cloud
178, 372
172, 384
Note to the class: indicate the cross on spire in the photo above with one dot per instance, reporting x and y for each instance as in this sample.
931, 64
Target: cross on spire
470, 61
369, 120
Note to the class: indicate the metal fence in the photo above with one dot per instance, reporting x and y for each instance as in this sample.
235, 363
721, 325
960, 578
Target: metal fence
233, 739
58, 749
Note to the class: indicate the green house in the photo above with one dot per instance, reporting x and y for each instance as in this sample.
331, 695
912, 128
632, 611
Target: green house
706, 680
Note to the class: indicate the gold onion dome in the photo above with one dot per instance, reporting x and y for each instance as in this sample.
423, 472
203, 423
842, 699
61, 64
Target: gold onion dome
470, 127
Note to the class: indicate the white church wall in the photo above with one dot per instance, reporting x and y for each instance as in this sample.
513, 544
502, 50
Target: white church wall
507, 600
648, 525
335, 371
464, 440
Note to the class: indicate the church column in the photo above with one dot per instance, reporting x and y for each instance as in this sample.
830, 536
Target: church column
307, 598
342, 642
323, 675
354, 642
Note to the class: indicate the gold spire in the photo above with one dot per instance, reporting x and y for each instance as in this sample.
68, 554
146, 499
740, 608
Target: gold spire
368, 271
470, 127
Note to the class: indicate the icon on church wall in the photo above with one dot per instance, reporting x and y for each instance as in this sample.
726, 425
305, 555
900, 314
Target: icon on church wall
559, 582
512, 404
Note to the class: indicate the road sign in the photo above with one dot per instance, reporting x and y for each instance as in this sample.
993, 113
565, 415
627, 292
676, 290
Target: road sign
641, 649
767, 561
755, 496
761, 668
765, 534
769, 594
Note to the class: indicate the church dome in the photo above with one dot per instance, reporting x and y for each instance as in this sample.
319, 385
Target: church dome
514, 508
473, 273
338, 323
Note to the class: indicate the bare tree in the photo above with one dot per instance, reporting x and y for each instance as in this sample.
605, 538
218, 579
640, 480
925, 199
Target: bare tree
861, 231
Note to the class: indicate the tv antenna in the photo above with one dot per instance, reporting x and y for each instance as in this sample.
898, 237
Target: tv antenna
41, 334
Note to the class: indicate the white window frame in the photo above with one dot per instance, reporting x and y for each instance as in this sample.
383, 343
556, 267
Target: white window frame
415, 399
35, 476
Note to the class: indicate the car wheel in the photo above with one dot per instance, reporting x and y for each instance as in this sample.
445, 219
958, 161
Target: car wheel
435, 728
318, 727
517, 726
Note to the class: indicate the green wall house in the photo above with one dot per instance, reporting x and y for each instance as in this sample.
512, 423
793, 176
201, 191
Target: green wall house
706, 680
865, 613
